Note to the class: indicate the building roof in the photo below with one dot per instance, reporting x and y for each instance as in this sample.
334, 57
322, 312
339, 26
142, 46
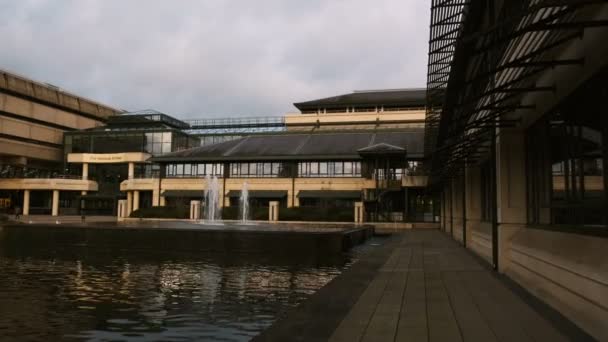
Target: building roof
381, 148
147, 117
363, 98
302, 146
53, 96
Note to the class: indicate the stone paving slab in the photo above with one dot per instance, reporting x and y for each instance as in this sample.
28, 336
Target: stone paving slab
427, 287
436, 291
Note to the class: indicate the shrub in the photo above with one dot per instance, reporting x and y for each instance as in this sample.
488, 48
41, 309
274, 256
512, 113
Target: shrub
180, 212
317, 214
233, 213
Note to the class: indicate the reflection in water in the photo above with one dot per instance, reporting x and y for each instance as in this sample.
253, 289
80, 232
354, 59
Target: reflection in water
76, 293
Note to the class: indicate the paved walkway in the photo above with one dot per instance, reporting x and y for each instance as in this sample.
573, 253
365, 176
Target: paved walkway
431, 289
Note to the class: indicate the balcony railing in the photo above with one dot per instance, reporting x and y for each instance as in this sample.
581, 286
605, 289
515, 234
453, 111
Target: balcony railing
38, 176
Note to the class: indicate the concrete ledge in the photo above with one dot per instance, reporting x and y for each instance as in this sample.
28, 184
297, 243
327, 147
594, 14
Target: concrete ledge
187, 236
48, 184
567, 271
481, 243
317, 318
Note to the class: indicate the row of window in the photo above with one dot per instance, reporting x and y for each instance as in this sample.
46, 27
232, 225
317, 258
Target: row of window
329, 169
258, 170
194, 170
267, 169
565, 166
155, 143
314, 169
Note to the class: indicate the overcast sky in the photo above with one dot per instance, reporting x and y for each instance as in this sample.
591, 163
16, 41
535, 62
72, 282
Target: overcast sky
209, 58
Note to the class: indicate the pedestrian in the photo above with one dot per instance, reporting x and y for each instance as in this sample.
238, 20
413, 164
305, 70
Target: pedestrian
17, 212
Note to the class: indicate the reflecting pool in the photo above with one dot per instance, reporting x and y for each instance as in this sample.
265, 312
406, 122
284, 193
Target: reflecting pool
75, 292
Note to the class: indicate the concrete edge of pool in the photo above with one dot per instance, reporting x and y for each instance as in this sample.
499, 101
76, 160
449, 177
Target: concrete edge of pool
191, 236
316, 318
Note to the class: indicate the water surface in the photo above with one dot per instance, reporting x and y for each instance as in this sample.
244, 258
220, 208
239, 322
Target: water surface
85, 293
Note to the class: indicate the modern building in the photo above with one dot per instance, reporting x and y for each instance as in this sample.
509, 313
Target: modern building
516, 134
374, 109
33, 118
373, 153
366, 146
118, 151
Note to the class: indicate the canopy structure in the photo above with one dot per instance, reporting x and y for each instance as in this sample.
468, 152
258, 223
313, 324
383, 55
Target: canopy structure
478, 76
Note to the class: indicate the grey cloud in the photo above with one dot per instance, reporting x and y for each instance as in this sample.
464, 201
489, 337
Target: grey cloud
196, 58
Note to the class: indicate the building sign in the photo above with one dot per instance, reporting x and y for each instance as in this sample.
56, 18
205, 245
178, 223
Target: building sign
107, 158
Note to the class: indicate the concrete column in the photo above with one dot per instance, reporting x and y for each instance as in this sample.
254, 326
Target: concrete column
135, 200
122, 209
290, 199
162, 201
511, 191
85, 171
273, 211
296, 201
129, 202
26, 202
131, 170
359, 213
155, 197
55, 203
195, 210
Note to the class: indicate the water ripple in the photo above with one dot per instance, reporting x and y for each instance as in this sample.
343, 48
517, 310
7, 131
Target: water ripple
83, 294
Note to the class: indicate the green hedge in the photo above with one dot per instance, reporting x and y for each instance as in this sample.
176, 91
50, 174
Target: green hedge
181, 212
258, 214
317, 214
233, 213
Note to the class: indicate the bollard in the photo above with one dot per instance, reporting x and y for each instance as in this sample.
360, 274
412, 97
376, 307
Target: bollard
195, 210
359, 212
273, 211
122, 210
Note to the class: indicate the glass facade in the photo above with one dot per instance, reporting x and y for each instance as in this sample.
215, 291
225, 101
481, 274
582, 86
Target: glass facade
156, 142
566, 165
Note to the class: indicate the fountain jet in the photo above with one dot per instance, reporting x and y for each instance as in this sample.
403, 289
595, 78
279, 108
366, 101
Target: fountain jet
212, 211
244, 203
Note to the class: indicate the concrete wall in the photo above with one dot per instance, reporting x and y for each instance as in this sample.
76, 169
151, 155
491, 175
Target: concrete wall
293, 120
47, 184
40, 92
567, 271
291, 185
10, 147
34, 116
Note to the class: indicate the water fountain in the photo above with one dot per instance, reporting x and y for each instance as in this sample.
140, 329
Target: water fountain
212, 211
244, 204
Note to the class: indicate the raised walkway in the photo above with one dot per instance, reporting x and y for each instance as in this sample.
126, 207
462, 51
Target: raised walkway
425, 287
